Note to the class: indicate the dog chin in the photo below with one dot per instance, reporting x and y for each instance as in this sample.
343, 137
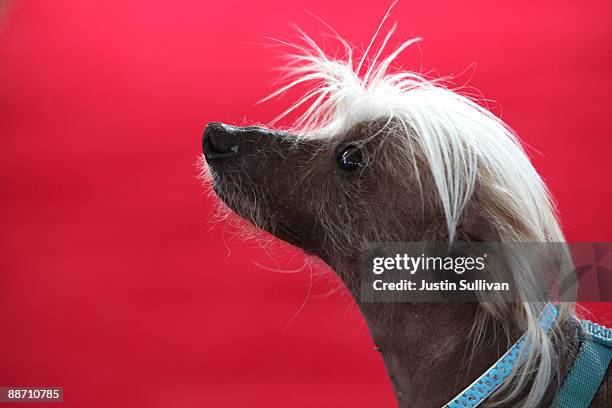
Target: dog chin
241, 207
261, 223
284, 233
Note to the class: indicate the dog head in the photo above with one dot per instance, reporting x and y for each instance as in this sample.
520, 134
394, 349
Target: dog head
328, 194
379, 156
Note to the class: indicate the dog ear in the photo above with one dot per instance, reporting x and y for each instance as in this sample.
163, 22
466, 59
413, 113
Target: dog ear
476, 223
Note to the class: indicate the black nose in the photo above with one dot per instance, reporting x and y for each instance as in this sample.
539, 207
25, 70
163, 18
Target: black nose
220, 141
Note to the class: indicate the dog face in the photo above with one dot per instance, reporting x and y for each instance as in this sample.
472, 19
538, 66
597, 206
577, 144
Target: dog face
327, 195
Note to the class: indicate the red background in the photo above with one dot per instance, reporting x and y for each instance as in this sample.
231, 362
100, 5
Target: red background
112, 283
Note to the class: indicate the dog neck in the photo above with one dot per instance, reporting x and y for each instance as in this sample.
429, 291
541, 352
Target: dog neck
429, 350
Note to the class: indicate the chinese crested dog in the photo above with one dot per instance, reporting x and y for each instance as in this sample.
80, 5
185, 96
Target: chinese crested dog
380, 155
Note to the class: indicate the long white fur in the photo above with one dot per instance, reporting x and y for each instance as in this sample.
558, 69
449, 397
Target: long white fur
463, 143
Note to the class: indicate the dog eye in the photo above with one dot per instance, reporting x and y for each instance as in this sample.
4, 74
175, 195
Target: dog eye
350, 158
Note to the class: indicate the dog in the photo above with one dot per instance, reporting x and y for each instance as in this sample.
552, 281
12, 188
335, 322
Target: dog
392, 156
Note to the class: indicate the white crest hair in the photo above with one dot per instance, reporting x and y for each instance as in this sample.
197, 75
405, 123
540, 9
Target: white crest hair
464, 145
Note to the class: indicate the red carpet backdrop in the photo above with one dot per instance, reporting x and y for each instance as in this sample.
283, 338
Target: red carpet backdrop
114, 284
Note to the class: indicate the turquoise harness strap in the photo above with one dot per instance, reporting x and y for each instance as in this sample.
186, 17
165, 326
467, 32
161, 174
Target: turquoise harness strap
589, 369
581, 383
493, 378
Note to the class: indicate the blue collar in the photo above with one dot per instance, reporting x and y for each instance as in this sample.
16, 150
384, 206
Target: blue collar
488, 382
